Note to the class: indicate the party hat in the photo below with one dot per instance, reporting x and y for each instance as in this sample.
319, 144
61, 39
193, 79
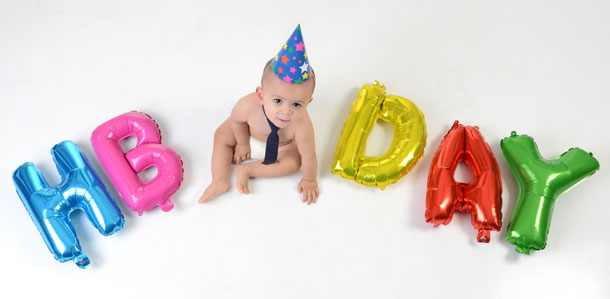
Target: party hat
291, 63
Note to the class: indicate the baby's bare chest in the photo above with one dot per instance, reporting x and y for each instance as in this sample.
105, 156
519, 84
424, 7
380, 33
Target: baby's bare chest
260, 129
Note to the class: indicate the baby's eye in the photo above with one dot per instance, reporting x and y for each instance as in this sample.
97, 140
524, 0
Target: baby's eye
277, 101
296, 105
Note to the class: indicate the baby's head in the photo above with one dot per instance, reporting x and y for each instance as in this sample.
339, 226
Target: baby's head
284, 101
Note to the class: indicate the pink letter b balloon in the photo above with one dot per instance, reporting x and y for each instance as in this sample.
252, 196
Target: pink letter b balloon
123, 168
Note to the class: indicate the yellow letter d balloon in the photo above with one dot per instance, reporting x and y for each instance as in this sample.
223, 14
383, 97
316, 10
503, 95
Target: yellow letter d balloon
407, 146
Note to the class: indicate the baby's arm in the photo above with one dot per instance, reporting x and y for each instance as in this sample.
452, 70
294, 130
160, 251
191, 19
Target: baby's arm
239, 125
306, 145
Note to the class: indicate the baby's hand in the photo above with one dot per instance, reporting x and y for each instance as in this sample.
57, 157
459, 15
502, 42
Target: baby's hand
310, 191
242, 153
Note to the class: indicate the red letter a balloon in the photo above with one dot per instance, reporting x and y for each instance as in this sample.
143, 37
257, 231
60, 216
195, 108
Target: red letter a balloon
482, 197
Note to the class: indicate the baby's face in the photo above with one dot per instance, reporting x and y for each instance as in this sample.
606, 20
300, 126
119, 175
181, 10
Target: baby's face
284, 102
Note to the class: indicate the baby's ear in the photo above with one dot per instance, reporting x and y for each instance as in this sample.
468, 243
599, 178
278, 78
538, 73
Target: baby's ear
259, 93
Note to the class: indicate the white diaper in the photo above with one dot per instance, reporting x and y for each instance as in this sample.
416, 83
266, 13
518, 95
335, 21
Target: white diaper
257, 149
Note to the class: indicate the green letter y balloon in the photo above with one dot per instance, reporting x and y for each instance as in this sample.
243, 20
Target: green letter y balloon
541, 182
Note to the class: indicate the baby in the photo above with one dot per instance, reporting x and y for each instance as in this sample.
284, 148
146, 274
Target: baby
276, 114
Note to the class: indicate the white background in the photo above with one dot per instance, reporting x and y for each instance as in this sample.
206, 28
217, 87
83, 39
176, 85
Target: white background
541, 68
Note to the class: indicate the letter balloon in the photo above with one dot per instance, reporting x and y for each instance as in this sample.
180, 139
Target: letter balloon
541, 182
50, 207
122, 168
481, 197
407, 146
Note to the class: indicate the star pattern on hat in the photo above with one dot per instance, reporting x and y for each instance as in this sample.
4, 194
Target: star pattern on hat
292, 58
299, 46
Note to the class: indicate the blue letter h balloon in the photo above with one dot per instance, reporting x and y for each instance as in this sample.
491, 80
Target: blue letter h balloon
50, 207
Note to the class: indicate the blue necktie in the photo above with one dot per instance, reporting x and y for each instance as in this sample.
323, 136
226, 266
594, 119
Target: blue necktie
273, 142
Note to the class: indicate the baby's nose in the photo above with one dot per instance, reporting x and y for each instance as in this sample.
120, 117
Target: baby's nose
286, 110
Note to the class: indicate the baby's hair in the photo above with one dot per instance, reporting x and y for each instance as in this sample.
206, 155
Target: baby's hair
267, 71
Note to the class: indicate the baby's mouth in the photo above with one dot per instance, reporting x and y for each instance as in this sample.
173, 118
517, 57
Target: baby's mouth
283, 121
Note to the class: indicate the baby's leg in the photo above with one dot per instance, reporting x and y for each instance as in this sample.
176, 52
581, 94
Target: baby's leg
222, 156
288, 162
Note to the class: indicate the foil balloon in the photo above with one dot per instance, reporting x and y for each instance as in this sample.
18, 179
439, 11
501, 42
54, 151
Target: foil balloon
123, 168
407, 146
50, 207
481, 197
541, 182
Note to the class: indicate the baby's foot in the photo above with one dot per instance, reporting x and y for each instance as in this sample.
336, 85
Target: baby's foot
213, 190
241, 179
